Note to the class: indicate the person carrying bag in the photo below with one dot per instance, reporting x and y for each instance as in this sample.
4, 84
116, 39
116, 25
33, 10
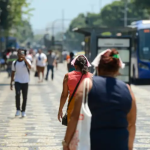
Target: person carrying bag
81, 137
64, 119
70, 84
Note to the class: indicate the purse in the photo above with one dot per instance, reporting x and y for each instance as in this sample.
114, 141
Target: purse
64, 119
36, 74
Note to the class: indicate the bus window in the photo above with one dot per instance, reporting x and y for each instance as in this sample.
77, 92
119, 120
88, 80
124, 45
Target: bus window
144, 44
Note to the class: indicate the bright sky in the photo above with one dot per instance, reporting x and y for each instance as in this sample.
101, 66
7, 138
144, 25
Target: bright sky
46, 11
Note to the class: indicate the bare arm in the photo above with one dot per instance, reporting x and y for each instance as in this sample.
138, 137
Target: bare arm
132, 121
63, 98
45, 59
12, 79
67, 67
29, 65
72, 125
54, 62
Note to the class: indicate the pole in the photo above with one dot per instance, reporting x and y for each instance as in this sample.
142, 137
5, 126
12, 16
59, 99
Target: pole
100, 4
92, 8
126, 13
63, 16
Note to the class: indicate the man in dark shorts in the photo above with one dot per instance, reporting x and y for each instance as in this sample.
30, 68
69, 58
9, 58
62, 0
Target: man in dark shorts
40, 64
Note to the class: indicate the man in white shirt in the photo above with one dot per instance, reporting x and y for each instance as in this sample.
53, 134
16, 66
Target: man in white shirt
40, 63
29, 56
21, 76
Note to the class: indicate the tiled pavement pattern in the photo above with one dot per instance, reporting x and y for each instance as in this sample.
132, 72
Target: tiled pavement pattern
40, 130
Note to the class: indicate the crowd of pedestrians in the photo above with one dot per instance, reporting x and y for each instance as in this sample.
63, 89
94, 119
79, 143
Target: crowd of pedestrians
102, 107
19, 64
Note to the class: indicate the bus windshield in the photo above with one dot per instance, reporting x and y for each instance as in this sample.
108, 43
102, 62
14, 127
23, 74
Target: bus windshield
144, 44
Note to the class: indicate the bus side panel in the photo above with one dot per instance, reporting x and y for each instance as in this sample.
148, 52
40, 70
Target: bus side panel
144, 74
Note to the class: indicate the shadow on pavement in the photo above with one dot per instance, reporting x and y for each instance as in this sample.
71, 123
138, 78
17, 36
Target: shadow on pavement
4, 84
29, 84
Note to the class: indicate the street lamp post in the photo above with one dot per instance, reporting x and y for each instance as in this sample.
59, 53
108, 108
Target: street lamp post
53, 26
126, 13
54, 22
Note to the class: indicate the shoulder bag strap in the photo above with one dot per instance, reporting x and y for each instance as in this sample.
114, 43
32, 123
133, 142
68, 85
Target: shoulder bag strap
15, 64
74, 92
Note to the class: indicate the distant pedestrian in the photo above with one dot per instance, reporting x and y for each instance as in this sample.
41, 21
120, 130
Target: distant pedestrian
20, 74
2, 63
71, 80
112, 105
40, 64
51, 60
29, 56
12, 57
57, 58
69, 66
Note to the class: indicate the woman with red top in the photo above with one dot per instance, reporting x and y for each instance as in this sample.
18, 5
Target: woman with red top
70, 82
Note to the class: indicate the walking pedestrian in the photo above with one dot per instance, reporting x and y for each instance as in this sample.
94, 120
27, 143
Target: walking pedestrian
40, 63
112, 105
57, 59
29, 56
20, 74
69, 66
51, 60
70, 83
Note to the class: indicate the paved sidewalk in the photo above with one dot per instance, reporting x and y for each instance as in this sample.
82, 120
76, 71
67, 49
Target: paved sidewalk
40, 130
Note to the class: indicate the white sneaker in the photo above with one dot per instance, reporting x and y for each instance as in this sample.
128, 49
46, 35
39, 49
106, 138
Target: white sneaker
18, 113
23, 114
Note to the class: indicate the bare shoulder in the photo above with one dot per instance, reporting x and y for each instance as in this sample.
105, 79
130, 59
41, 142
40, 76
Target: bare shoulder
132, 94
129, 88
66, 77
90, 75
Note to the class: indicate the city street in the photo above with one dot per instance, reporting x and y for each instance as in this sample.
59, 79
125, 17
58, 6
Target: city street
40, 130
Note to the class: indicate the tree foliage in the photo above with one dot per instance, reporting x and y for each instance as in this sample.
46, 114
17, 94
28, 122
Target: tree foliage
112, 15
73, 40
12, 12
142, 4
24, 32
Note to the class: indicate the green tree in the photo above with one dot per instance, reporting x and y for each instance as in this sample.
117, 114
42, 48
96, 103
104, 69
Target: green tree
142, 4
12, 12
24, 32
73, 40
113, 14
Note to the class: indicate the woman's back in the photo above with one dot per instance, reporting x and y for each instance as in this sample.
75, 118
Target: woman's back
73, 79
110, 102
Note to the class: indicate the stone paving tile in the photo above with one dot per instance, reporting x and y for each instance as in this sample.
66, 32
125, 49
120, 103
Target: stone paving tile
40, 130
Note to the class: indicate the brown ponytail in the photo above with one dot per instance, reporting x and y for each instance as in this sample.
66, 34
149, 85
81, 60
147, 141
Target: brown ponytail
108, 63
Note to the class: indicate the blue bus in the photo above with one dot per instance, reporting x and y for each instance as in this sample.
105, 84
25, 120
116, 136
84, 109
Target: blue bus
11, 42
140, 61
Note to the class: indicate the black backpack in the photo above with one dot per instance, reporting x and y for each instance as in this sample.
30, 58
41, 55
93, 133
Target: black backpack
25, 64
